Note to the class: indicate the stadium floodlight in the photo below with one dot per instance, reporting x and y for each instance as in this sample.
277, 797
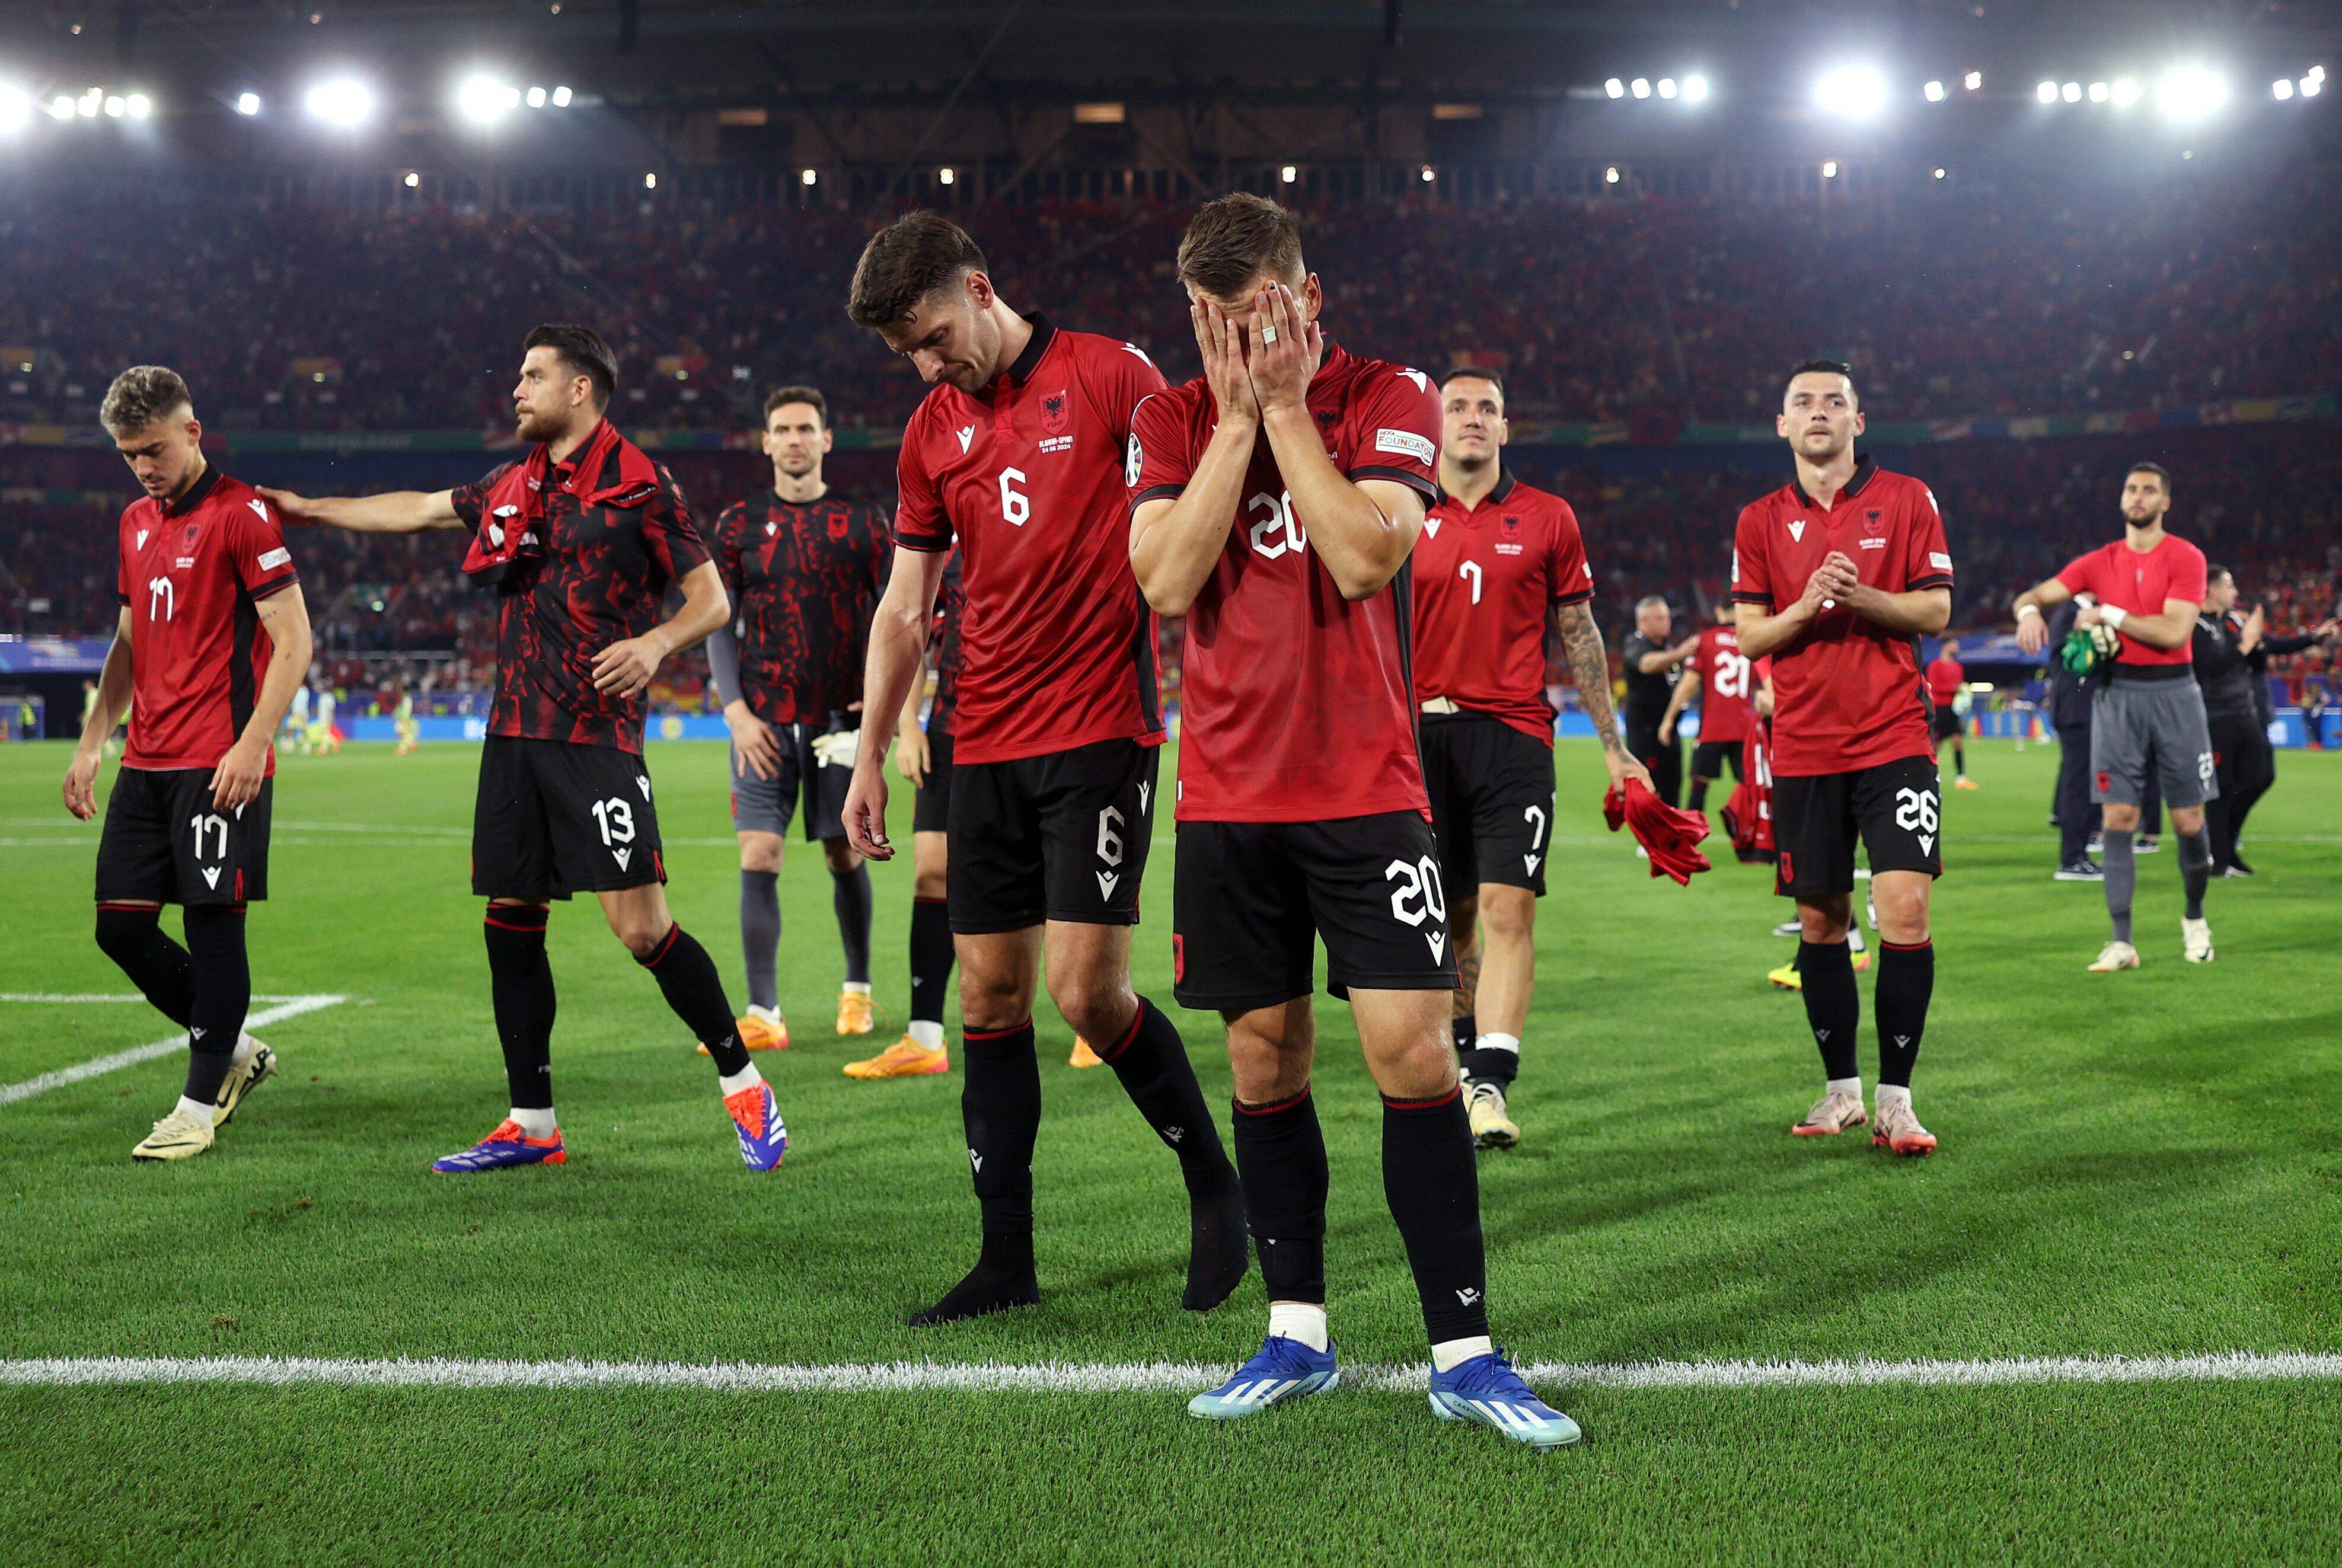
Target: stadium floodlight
61, 107
1288, 174
1695, 89
1939, 174
1666, 87
1428, 174
16, 108
1973, 81
2126, 92
2191, 93
561, 96
340, 102
413, 180
2047, 93
1933, 91
485, 99
650, 182
537, 97
808, 177
2100, 92
115, 105
2071, 92
1610, 175
1640, 86
247, 103
1615, 88
89, 102
946, 176
139, 106
1829, 169
2281, 89
2312, 84
1855, 92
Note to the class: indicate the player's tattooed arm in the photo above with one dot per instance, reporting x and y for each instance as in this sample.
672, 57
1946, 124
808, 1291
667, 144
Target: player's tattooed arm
1589, 667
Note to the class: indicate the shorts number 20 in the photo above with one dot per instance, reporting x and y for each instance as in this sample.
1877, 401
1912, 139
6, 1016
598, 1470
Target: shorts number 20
1416, 893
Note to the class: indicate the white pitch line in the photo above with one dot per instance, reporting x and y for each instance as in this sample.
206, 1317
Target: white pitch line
1136, 1377
72, 996
12, 1092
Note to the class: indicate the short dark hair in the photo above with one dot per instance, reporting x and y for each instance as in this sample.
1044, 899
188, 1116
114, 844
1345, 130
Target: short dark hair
783, 396
909, 259
1478, 372
1232, 240
1819, 367
581, 348
2157, 469
141, 395
2211, 574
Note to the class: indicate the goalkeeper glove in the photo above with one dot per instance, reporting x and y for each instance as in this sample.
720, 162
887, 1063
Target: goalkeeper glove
837, 749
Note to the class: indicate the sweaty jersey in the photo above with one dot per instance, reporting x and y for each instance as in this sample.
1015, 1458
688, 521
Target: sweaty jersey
1487, 578
1057, 646
600, 578
804, 576
1299, 704
1945, 678
1726, 685
2138, 582
192, 574
1846, 692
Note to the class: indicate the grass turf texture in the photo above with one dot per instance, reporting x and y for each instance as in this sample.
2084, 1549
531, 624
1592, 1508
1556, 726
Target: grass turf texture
2133, 1164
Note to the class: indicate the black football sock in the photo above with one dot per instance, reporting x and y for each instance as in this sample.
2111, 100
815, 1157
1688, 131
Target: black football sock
132, 936
1432, 1183
1906, 979
688, 978
850, 897
521, 982
2194, 869
1833, 1005
1000, 1108
760, 936
931, 959
1960, 760
1698, 801
1492, 1064
1467, 1030
2117, 855
222, 995
1281, 1155
1151, 1061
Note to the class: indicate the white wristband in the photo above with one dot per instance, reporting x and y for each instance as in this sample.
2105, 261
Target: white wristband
2113, 615
2025, 610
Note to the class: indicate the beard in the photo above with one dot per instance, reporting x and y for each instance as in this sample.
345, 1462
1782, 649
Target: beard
535, 427
1834, 446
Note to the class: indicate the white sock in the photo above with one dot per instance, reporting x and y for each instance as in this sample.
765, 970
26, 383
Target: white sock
197, 1109
771, 1016
1302, 1322
245, 1048
859, 987
1511, 1042
1450, 1353
1845, 1086
1853, 938
1894, 1095
927, 1036
733, 1082
535, 1123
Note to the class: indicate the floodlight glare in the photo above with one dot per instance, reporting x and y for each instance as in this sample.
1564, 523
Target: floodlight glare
1695, 89
114, 106
16, 108
650, 182
2312, 85
807, 176
1939, 174
2097, 92
2126, 93
1640, 86
61, 107
340, 102
1855, 92
1610, 175
1288, 174
2191, 93
1973, 81
88, 105
247, 103
1427, 175
2282, 89
561, 97
1615, 87
1933, 91
537, 97
946, 176
1667, 86
1829, 170
486, 99
413, 180
139, 106
2071, 92
2047, 91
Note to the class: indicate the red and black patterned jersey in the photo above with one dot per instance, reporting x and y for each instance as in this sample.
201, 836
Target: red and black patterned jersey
803, 577
951, 605
1725, 692
1058, 646
1298, 705
1847, 693
190, 574
599, 578
1487, 579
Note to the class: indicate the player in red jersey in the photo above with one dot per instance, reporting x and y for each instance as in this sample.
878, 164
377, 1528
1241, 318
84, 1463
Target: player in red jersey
1716, 680
804, 566
1947, 690
1275, 501
212, 642
1017, 450
581, 540
2148, 723
1835, 576
1498, 563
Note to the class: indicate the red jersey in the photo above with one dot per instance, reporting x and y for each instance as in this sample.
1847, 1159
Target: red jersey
1297, 703
1945, 679
803, 577
191, 574
1057, 646
1727, 685
1846, 690
1486, 581
2138, 582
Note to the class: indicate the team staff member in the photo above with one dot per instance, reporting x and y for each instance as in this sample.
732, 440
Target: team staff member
210, 645
1837, 575
581, 540
1716, 680
2069, 711
2258, 646
1651, 668
1018, 451
1275, 501
805, 567
1948, 693
1497, 562
2229, 653
2147, 721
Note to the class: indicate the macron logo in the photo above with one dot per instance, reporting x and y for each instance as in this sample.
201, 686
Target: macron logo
1106, 879
142, 539
1438, 940
976, 1159
1431, 524
1797, 529
1532, 860
622, 856
259, 509
966, 432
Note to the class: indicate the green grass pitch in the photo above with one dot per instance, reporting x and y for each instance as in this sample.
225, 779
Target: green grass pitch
2147, 1164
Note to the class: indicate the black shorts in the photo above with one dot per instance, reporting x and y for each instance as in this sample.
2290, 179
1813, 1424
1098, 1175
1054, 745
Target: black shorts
1945, 725
1895, 807
1708, 759
554, 819
931, 807
165, 842
1063, 836
1491, 790
765, 805
1250, 899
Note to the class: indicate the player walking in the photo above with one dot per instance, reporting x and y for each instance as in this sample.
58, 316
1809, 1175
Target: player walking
581, 538
1277, 500
803, 568
1017, 450
1716, 680
211, 644
1496, 563
2147, 721
1947, 700
1652, 669
1835, 576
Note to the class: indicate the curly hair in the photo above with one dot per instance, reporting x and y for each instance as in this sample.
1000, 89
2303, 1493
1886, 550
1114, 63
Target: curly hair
141, 395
